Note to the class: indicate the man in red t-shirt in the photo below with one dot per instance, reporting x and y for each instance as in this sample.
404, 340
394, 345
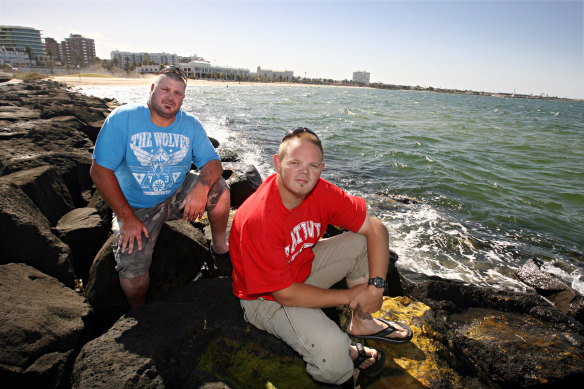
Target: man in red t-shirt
282, 272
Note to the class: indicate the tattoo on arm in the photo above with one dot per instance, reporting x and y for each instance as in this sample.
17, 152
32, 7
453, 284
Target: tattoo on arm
206, 182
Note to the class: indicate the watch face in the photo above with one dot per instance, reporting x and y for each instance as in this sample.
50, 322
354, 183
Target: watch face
377, 282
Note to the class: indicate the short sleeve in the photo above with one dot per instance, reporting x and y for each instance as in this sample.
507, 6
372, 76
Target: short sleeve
110, 146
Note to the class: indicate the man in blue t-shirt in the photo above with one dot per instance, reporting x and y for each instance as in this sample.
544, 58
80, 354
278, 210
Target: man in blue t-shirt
141, 165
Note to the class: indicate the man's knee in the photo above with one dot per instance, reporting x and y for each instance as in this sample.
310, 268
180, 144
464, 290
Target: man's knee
332, 365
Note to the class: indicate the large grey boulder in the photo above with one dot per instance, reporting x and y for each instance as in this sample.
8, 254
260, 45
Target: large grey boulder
42, 328
243, 179
191, 337
178, 256
85, 232
506, 338
47, 190
27, 236
552, 288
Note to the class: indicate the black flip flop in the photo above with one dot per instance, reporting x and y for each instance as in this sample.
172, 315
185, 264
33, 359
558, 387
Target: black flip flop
221, 263
382, 335
372, 370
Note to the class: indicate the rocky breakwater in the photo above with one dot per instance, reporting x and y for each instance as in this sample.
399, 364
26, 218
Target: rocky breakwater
55, 232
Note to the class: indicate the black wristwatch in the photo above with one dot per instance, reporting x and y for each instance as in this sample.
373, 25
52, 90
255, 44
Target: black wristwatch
378, 282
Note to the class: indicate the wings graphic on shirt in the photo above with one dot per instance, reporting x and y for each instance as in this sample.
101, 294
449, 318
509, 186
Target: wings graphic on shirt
159, 158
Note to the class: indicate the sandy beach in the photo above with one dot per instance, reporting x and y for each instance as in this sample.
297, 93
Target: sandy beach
144, 80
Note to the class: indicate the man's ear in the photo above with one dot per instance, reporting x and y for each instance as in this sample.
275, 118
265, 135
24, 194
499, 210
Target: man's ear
277, 163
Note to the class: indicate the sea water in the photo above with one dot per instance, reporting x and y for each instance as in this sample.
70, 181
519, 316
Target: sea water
469, 187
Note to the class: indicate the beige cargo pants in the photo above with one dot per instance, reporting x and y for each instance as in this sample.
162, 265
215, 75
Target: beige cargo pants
320, 342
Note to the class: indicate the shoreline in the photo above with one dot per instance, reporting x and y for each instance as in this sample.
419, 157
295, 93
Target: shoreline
146, 80
76, 81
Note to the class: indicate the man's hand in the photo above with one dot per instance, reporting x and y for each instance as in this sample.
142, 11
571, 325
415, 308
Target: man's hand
131, 227
194, 204
131, 230
368, 300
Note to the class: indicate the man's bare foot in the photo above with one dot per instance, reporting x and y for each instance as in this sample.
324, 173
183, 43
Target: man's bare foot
381, 329
370, 352
368, 360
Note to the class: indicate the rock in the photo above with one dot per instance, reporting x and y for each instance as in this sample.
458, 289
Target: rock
42, 328
504, 338
552, 288
92, 119
103, 209
242, 179
73, 167
227, 155
85, 232
46, 189
45, 139
190, 338
27, 236
214, 142
517, 351
178, 256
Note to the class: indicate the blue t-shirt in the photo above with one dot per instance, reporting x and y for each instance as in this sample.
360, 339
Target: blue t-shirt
151, 162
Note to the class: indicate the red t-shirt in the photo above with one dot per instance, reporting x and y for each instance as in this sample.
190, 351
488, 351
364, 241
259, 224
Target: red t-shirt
271, 246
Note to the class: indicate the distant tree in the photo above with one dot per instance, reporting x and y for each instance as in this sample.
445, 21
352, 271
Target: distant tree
28, 51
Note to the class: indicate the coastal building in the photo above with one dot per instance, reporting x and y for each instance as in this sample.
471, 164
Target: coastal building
77, 50
14, 58
125, 59
275, 75
361, 77
200, 68
53, 49
18, 39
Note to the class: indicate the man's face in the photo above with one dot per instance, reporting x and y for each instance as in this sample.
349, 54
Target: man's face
166, 97
299, 168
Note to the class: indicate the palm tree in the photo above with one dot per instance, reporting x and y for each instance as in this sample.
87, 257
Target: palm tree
28, 50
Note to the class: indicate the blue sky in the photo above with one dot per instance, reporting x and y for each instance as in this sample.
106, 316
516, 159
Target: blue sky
522, 46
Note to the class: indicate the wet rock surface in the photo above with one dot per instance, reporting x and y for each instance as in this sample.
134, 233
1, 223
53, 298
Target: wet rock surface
191, 334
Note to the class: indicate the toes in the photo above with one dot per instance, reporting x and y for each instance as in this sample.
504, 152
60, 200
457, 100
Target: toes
369, 362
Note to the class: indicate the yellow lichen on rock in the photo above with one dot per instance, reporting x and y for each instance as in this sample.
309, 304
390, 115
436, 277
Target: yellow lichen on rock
420, 363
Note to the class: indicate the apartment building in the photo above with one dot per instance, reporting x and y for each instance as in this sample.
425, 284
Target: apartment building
77, 50
361, 77
53, 49
15, 40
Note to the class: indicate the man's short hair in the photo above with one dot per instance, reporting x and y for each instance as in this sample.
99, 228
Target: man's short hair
303, 133
173, 72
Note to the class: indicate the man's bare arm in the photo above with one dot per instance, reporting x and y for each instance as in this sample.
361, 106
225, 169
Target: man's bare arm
309, 296
109, 188
196, 201
371, 298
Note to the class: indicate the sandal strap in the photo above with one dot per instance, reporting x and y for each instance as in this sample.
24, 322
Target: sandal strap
362, 356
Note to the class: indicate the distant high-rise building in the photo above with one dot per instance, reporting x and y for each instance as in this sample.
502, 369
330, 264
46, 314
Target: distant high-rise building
52, 49
23, 40
77, 50
361, 77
